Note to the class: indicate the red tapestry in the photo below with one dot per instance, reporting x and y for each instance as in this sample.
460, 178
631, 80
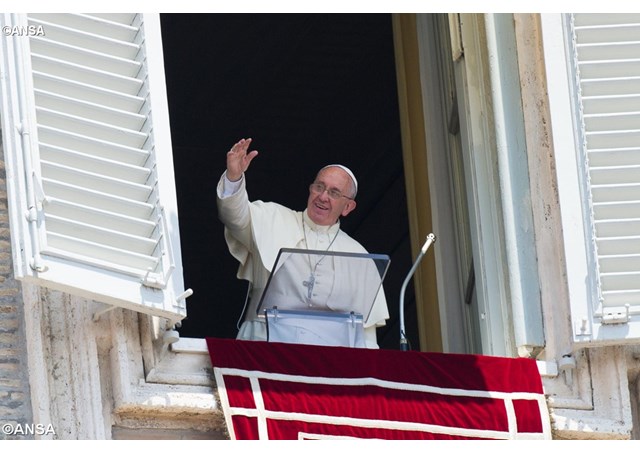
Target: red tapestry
290, 391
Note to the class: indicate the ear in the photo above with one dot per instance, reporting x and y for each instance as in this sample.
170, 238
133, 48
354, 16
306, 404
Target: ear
348, 207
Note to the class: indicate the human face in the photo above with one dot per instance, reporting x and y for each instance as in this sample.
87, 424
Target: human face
321, 208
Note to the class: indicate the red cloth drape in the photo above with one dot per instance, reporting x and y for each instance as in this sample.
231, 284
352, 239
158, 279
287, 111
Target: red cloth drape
290, 391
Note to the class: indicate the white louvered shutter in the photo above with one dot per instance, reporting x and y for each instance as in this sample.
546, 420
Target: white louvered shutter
87, 145
607, 73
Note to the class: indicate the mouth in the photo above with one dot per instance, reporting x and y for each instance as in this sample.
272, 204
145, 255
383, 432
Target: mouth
321, 207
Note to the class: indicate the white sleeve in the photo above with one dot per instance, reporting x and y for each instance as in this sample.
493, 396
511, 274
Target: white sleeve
229, 187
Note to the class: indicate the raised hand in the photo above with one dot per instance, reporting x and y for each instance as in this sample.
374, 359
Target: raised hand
238, 160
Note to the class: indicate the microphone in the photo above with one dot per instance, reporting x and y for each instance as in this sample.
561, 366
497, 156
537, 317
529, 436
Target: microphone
403, 339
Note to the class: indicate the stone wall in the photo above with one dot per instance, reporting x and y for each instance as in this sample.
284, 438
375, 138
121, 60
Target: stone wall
15, 404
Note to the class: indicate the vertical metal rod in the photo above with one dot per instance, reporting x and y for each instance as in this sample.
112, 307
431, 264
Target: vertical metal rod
403, 338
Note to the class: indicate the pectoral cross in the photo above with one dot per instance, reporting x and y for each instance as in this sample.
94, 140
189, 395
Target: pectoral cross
309, 285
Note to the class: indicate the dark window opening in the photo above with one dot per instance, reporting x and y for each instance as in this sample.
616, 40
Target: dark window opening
310, 89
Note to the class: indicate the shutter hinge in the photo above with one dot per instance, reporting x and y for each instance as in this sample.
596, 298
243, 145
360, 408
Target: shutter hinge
616, 315
583, 329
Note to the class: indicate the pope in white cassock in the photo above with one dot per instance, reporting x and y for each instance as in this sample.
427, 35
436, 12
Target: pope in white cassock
256, 231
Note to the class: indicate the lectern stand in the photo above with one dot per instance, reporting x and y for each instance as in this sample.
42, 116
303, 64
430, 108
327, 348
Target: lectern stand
321, 297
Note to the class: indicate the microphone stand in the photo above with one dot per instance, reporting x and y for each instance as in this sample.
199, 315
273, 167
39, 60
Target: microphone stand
403, 339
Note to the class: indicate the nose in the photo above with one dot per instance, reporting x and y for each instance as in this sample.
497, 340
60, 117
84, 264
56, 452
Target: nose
324, 195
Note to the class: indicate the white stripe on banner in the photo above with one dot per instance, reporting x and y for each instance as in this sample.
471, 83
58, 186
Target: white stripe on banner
262, 414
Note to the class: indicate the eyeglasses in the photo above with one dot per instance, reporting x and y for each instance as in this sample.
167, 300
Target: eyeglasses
334, 194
